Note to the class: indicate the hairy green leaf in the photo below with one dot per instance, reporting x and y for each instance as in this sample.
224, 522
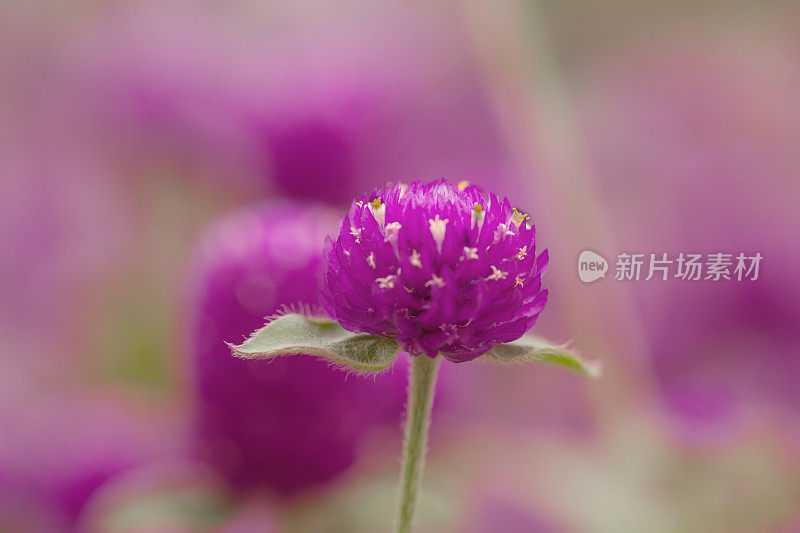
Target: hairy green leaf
297, 334
530, 348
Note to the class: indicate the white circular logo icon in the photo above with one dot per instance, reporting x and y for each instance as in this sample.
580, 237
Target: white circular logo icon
591, 266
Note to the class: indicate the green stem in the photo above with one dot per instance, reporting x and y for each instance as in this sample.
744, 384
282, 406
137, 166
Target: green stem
420, 401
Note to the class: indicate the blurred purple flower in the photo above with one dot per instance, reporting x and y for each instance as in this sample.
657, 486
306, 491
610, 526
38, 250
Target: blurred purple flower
443, 268
266, 96
695, 147
60, 445
295, 422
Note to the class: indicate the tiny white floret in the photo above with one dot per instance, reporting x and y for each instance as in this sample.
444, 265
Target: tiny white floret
496, 274
416, 259
469, 254
438, 228
387, 282
435, 281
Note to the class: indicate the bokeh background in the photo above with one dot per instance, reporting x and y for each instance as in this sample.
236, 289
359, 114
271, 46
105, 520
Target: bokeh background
169, 170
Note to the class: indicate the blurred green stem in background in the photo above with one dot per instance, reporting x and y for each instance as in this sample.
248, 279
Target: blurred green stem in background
418, 418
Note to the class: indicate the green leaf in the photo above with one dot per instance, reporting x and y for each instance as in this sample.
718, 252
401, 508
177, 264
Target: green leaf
297, 334
530, 348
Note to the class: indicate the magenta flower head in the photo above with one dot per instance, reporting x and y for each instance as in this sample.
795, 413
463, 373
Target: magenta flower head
443, 268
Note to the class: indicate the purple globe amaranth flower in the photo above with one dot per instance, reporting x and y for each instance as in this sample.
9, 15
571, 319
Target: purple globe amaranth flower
443, 268
296, 422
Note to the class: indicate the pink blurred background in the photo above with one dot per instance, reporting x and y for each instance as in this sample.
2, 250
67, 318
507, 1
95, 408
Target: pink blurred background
169, 171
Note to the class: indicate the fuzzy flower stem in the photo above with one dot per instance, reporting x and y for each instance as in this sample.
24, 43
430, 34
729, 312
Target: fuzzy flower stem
420, 400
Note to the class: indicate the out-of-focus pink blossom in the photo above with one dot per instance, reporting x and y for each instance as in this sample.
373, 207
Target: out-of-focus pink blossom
295, 422
59, 445
320, 101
